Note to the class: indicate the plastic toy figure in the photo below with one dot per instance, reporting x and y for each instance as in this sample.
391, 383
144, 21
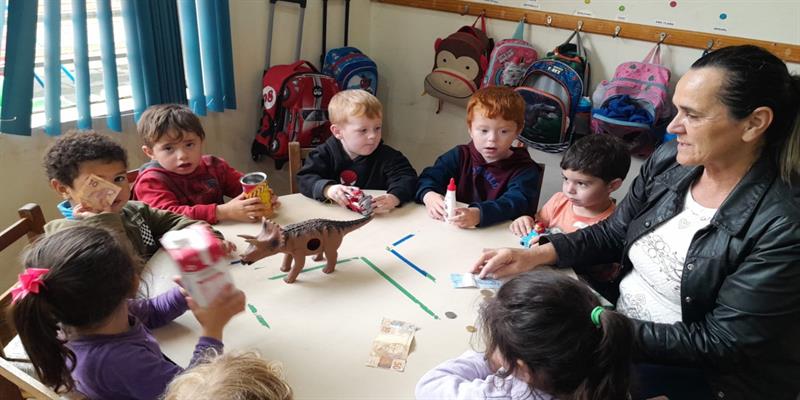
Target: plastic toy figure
315, 236
359, 202
538, 229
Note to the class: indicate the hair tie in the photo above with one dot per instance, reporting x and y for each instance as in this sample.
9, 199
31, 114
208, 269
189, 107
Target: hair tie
28, 282
596, 315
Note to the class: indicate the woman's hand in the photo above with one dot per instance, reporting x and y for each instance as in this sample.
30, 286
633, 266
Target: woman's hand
506, 262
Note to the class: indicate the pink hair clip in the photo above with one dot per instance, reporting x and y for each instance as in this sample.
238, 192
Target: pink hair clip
28, 282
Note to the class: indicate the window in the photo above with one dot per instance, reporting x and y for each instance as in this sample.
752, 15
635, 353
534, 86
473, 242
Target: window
97, 98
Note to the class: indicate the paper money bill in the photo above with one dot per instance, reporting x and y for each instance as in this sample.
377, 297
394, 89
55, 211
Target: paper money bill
97, 193
467, 280
390, 348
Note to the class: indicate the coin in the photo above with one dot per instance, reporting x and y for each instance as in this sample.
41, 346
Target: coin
450, 315
471, 329
487, 293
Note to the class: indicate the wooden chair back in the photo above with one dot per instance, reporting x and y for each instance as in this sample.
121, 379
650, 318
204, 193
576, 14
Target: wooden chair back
296, 156
14, 383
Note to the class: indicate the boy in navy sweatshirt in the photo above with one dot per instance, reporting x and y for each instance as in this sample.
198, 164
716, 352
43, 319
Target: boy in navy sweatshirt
497, 181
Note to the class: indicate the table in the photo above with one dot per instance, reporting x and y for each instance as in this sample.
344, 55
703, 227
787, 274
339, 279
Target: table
321, 327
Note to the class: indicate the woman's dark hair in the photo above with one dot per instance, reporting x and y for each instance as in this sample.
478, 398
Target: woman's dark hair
90, 274
754, 78
543, 318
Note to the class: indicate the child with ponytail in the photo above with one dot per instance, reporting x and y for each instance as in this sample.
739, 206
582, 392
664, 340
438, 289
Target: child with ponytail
546, 337
73, 311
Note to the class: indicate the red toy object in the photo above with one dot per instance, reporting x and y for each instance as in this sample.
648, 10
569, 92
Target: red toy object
539, 228
359, 202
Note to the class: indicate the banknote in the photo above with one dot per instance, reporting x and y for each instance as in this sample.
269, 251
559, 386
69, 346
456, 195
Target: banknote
467, 280
390, 348
97, 193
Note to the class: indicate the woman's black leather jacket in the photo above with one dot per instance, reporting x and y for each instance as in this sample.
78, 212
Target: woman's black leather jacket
740, 287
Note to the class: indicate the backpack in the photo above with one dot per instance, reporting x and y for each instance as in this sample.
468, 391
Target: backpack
635, 104
296, 98
351, 69
460, 63
552, 88
509, 60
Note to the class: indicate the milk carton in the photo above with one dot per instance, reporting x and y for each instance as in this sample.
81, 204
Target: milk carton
202, 261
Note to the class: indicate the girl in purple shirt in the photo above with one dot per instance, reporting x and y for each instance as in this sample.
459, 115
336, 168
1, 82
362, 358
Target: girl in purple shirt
81, 330
546, 338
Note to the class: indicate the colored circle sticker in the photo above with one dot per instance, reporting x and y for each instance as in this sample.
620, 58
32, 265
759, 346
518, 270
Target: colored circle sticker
723, 16
673, 4
587, 1
622, 8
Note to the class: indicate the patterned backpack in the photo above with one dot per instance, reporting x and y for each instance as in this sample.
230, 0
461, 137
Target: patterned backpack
635, 104
295, 100
509, 60
352, 69
552, 89
461, 61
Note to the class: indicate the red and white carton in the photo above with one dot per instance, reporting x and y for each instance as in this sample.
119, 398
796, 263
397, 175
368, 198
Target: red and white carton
202, 261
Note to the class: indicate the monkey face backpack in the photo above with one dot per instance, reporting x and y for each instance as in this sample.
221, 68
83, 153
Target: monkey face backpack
461, 61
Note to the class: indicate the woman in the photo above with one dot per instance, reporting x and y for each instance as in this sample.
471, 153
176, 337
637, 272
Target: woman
708, 235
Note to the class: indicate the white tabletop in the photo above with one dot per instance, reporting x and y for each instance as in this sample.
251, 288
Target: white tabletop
321, 327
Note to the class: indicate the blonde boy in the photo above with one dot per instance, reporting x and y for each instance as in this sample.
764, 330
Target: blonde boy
356, 157
179, 178
230, 376
497, 181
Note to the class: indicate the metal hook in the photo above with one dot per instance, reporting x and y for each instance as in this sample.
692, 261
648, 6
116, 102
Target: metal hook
524, 19
661, 37
580, 25
617, 30
549, 21
483, 13
709, 46
466, 10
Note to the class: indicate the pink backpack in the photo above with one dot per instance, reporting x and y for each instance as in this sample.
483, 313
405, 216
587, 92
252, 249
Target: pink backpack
509, 60
635, 105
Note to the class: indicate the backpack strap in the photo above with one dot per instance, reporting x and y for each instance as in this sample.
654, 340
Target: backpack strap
519, 33
481, 18
654, 55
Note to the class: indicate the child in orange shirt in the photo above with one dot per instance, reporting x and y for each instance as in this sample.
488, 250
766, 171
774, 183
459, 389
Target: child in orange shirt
592, 168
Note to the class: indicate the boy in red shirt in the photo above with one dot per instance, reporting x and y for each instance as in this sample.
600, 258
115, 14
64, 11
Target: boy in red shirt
179, 178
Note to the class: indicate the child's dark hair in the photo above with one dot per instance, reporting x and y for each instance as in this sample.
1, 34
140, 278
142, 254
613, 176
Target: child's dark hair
163, 119
64, 158
543, 318
603, 156
90, 274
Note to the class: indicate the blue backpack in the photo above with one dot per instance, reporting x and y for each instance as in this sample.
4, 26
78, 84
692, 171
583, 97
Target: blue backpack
552, 89
351, 69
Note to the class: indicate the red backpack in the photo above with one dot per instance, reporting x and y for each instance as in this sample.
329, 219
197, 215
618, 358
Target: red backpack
296, 98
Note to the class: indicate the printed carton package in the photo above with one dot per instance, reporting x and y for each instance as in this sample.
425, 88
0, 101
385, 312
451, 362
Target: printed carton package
201, 259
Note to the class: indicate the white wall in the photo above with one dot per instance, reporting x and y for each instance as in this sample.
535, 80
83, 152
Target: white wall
401, 42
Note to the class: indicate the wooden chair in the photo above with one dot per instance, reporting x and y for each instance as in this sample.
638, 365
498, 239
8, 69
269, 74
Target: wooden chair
14, 383
296, 156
